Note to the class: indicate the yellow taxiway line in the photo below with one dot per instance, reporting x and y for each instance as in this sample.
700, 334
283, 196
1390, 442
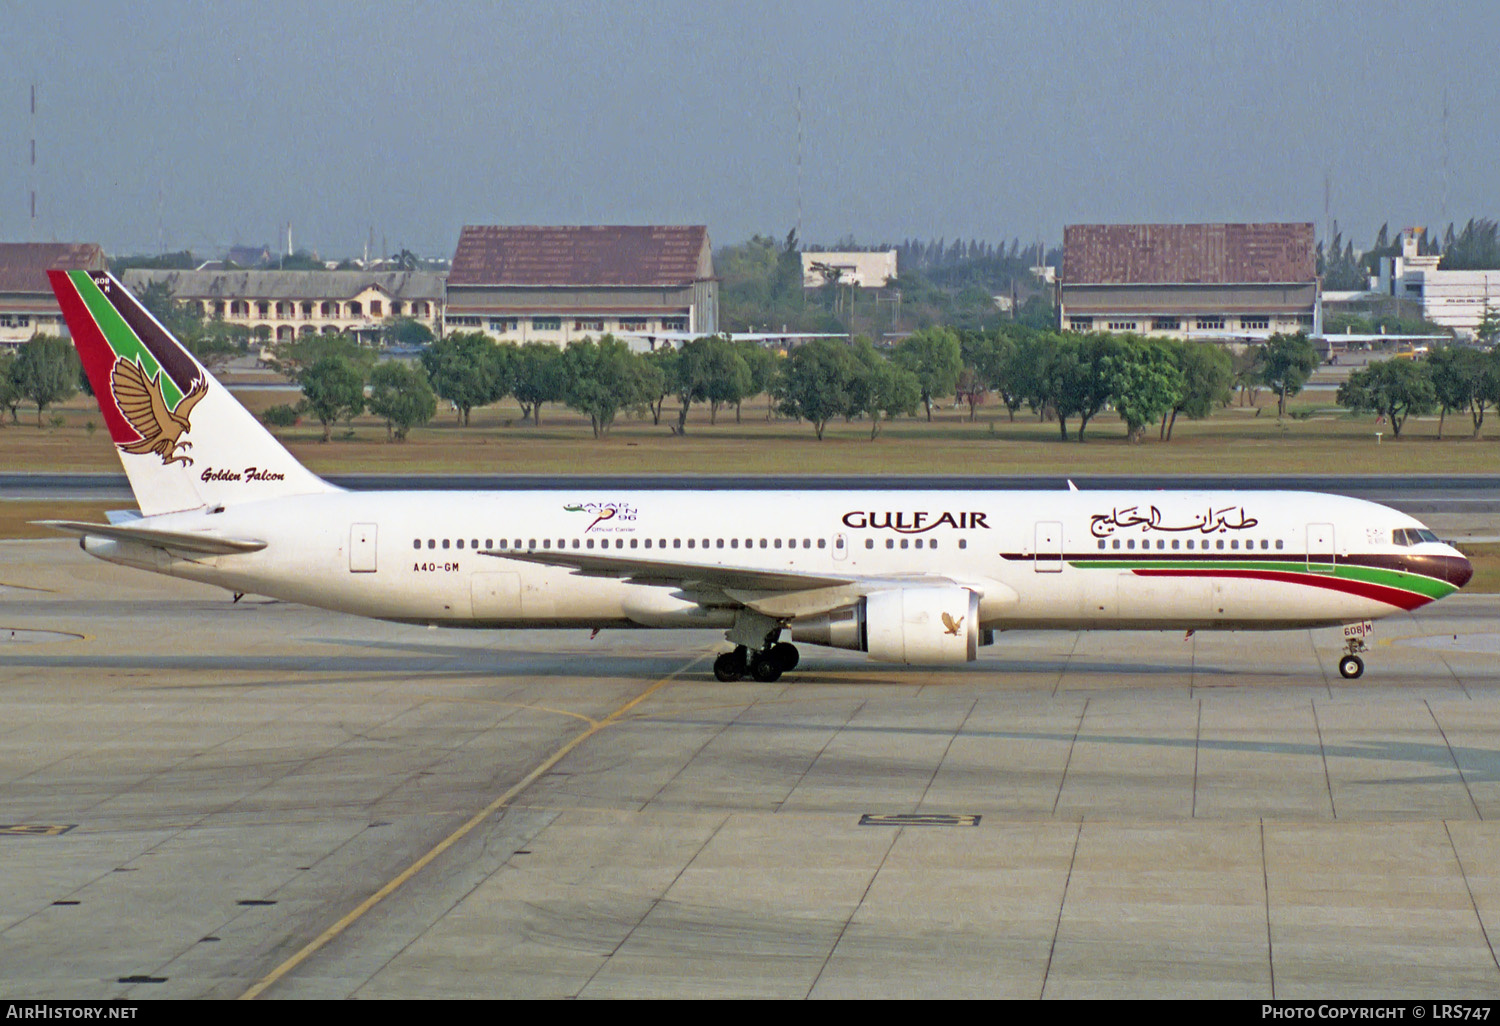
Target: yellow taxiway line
479, 817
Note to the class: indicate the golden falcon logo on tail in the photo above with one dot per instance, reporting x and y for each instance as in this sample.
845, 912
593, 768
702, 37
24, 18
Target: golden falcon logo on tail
141, 401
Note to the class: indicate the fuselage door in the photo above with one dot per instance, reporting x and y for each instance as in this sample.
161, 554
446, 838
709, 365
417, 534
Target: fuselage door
840, 546
362, 549
1048, 554
1320, 554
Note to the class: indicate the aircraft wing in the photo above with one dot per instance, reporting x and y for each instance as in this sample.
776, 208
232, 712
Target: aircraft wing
183, 541
679, 337
657, 571
778, 593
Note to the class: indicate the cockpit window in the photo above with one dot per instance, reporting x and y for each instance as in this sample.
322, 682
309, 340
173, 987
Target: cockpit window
1412, 536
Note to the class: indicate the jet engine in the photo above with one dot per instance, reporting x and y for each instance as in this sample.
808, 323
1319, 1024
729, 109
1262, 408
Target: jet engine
920, 626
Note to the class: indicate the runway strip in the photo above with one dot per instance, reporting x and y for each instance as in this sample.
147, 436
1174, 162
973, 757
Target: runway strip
595, 726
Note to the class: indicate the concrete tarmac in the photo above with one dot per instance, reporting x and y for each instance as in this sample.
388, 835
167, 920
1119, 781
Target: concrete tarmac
201, 798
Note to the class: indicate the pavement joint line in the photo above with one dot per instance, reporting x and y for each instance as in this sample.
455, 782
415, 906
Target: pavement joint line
1323, 752
741, 710
655, 902
313, 946
1197, 748
1061, 904
834, 732
1462, 872
1452, 755
944, 757
1072, 743
895, 837
1265, 878
1323, 670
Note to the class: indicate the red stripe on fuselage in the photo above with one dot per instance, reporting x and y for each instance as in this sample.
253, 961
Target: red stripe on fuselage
98, 358
1397, 597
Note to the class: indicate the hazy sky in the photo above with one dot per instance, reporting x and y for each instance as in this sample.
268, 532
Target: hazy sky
205, 124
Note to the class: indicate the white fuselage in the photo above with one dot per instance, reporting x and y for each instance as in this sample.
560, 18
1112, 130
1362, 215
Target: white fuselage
1034, 558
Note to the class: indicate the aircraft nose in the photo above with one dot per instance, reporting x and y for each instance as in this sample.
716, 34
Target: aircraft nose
1463, 570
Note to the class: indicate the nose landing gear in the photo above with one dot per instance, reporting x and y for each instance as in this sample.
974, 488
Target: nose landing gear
1351, 665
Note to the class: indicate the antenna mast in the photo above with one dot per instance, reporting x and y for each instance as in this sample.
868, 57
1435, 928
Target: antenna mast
31, 173
799, 165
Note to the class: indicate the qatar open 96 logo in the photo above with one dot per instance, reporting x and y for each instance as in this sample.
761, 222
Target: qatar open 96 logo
607, 516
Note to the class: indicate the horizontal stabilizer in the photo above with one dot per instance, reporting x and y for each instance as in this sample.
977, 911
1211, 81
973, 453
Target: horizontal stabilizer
183, 541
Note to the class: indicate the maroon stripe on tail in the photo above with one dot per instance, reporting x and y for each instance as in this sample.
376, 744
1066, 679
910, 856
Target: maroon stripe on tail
1397, 597
98, 358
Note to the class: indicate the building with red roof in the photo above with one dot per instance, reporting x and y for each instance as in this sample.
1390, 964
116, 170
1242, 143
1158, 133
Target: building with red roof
1229, 281
27, 305
556, 284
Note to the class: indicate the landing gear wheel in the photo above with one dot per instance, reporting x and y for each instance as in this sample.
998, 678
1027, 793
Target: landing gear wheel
730, 666
765, 669
784, 655
1351, 666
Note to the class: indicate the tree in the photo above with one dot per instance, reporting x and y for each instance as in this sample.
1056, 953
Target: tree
1286, 362
10, 388
536, 377
46, 371
1464, 379
602, 377
1455, 376
1207, 376
407, 332
664, 359
217, 342
816, 381
401, 396
1144, 382
214, 342
882, 389
334, 390
466, 369
1020, 361
293, 356
935, 357
762, 364
1394, 389
689, 382
1476, 248
1073, 379
1488, 331
726, 378
1246, 374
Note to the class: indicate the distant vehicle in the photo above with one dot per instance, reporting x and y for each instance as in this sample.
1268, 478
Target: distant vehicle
907, 577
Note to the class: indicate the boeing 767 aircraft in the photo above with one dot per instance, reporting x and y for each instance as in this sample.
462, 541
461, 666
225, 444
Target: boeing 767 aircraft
908, 577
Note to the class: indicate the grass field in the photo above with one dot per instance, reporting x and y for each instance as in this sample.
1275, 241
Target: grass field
1319, 439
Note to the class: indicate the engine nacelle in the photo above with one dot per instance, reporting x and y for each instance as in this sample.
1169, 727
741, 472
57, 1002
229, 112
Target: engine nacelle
920, 626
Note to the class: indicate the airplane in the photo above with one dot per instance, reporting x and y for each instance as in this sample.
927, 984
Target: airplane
907, 577
678, 339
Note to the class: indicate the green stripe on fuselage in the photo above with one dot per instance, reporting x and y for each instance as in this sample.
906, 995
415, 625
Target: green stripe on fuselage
1401, 580
119, 335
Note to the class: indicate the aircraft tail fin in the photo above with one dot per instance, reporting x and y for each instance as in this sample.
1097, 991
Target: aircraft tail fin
184, 440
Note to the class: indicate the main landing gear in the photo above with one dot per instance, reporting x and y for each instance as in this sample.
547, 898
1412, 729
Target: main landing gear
766, 666
756, 650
